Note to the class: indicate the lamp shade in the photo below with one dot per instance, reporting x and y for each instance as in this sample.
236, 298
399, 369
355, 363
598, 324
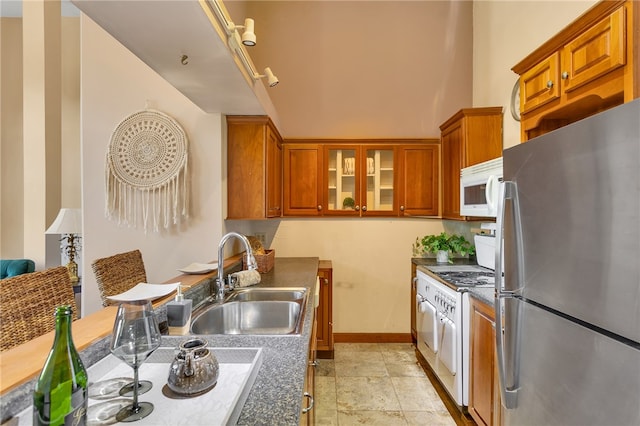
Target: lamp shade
68, 221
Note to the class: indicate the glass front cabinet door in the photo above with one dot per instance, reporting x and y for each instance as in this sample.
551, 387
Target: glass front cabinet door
360, 180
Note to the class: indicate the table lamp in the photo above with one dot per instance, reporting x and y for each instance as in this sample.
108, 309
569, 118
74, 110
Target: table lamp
69, 222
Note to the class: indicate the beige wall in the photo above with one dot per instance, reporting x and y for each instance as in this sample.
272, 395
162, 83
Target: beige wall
71, 165
48, 163
504, 33
371, 256
11, 180
356, 70
352, 69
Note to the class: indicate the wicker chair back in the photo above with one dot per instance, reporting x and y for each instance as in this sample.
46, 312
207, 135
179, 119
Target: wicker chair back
118, 273
28, 302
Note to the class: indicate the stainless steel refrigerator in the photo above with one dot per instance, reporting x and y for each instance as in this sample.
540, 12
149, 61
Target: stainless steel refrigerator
569, 223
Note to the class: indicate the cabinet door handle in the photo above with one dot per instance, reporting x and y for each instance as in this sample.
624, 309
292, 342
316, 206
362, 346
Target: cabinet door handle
319, 207
357, 208
313, 363
364, 208
310, 406
565, 75
401, 208
550, 84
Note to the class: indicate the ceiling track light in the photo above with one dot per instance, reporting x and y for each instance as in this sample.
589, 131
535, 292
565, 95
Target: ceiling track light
271, 79
236, 42
248, 35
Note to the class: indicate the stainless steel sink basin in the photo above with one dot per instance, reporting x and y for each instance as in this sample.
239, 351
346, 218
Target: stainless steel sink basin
254, 294
250, 317
254, 310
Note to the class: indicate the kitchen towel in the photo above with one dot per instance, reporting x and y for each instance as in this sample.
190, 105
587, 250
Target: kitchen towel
247, 278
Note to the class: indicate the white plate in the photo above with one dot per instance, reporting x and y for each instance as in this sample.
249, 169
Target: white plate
199, 268
144, 291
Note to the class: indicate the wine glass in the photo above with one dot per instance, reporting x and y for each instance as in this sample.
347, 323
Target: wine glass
135, 336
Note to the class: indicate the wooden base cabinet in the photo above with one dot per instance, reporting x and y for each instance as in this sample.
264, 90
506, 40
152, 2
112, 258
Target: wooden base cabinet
469, 137
484, 393
589, 66
324, 311
254, 168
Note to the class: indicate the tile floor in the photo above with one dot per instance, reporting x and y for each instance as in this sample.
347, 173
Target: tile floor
376, 384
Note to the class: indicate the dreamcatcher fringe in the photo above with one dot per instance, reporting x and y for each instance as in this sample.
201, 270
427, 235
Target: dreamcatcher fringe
122, 201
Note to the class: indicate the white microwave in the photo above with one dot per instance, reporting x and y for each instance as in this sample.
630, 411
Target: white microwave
479, 188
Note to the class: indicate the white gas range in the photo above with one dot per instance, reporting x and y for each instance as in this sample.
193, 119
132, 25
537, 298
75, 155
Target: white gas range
442, 322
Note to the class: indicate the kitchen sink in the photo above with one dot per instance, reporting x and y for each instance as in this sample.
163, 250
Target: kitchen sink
250, 317
293, 294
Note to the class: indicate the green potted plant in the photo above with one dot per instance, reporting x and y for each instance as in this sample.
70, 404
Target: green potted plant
443, 245
349, 203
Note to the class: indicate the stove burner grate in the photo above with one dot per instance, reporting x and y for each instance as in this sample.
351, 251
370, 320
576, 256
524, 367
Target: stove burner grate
467, 278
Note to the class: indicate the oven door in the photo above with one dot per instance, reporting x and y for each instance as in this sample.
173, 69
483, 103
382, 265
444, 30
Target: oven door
426, 324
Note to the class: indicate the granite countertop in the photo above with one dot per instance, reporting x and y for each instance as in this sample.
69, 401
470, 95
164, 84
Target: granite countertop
276, 395
483, 294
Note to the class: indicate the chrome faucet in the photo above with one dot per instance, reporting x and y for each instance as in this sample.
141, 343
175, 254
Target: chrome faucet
251, 262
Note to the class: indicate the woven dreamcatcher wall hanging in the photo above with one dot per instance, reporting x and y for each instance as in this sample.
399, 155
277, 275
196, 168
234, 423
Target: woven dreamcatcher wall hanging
146, 171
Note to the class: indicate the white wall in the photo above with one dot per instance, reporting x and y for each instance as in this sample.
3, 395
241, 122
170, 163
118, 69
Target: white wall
115, 84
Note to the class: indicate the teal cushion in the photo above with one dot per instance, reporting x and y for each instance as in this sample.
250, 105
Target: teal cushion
12, 267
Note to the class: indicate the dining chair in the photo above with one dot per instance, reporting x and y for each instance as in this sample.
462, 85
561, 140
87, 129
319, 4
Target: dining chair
118, 273
28, 302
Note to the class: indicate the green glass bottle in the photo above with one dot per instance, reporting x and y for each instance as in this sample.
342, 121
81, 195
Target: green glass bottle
60, 394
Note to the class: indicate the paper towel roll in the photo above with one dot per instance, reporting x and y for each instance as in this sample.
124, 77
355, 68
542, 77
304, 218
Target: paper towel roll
247, 278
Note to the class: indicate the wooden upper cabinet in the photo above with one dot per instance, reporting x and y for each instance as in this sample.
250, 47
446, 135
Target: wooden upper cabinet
254, 168
274, 180
303, 177
540, 85
597, 51
469, 137
360, 180
419, 174
588, 67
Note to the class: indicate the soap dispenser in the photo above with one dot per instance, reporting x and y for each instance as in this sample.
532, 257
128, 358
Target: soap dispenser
179, 315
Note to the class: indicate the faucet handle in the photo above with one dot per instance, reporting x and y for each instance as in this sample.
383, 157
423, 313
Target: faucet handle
250, 261
231, 281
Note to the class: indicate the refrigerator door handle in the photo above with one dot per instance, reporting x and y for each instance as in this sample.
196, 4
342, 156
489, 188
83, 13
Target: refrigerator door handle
508, 392
507, 362
502, 193
509, 191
